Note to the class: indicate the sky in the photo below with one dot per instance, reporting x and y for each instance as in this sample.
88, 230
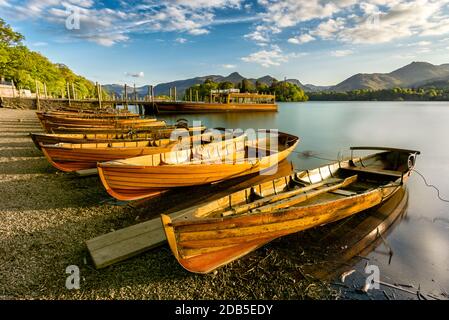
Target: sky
321, 42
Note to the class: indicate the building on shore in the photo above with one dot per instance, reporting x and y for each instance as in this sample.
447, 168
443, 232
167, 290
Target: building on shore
7, 89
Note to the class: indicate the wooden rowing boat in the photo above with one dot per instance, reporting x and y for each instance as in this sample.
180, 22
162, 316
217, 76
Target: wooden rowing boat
218, 232
52, 127
116, 122
134, 178
88, 115
141, 135
346, 242
70, 157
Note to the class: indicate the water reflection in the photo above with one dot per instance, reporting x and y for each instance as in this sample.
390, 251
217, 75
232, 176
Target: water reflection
421, 241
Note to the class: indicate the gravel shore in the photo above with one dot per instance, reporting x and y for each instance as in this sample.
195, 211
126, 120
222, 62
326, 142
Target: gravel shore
46, 216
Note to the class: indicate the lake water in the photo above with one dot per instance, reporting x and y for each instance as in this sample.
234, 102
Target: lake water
420, 242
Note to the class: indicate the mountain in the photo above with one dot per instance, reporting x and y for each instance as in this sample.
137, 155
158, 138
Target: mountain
441, 83
410, 75
182, 85
312, 88
413, 75
420, 71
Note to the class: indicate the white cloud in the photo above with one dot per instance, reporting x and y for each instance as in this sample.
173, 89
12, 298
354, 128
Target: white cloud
327, 29
39, 44
140, 74
198, 31
261, 34
289, 13
341, 53
351, 21
400, 19
108, 26
181, 40
228, 66
423, 43
304, 38
267, 58
103, 39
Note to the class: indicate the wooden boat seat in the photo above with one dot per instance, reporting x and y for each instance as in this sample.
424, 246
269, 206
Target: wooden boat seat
392, 173
345, 193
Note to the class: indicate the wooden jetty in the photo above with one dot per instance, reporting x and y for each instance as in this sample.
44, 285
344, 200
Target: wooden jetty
218, 101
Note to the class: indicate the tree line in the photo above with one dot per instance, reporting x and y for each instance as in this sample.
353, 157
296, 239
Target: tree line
25, 67
284, 91
395, 94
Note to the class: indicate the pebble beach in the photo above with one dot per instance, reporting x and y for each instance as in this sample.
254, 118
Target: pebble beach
46, 216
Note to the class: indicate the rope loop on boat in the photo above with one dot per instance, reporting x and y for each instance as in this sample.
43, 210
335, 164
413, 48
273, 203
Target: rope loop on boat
429, 185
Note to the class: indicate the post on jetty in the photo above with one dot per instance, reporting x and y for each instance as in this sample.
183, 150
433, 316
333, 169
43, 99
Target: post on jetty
68, 93
126, 96
99, 94
13, 88
38, 103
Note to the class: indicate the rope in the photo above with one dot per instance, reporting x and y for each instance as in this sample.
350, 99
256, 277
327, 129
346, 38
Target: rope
430, 185
307, 155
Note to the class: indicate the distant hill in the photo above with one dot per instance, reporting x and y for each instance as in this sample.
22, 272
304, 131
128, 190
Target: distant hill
413, 75
410, 75
182, 85
440, 83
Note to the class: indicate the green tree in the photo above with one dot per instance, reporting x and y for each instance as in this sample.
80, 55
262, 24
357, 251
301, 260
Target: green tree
225, 85
25, 67
8, 36
247, 86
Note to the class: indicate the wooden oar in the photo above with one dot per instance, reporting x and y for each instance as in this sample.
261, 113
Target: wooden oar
277, 197
303, 197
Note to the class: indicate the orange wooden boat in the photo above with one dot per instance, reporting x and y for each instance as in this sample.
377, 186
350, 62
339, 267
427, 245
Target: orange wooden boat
52, 127
216, 233
140, 135
134, 178
116, 122
71, 157
88, 115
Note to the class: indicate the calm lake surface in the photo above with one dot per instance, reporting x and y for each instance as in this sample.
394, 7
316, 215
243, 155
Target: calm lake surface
420, 241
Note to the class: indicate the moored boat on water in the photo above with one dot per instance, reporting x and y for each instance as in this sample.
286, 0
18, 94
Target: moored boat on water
216, 233
135, 178
230, 100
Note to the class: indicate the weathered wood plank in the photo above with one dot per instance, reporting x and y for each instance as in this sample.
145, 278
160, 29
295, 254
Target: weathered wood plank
122, 244
87, 172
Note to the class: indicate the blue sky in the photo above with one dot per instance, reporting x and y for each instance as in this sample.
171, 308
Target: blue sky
316, 41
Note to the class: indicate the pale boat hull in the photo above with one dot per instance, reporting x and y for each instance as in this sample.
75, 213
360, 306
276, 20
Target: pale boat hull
74, 159
95, 121
201, 244
142, 135
88, 115
117, 179
67, 127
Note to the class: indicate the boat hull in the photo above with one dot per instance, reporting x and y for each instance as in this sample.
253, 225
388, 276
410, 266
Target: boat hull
141, 135
73, 159
197, 107
213, 234
117, 178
